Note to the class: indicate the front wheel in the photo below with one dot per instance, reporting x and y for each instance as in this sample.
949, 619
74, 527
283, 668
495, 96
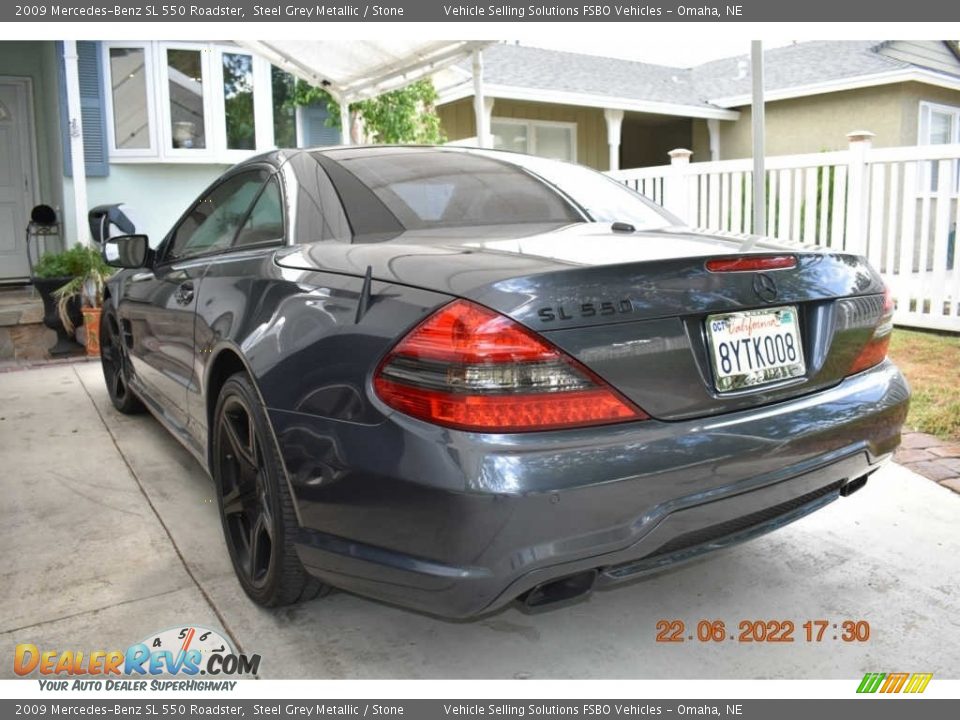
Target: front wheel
116, 365
256, 508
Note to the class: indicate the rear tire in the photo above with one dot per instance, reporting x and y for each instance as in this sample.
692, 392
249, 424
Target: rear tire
116, 365
256, 508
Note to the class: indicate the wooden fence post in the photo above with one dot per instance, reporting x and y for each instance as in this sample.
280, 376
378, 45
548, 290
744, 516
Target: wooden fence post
675, 185
858, 187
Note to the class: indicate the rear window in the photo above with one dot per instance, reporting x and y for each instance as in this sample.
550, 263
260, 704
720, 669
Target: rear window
603, 198
430, 189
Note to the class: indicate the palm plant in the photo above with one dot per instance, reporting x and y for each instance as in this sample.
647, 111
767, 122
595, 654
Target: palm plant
90, 273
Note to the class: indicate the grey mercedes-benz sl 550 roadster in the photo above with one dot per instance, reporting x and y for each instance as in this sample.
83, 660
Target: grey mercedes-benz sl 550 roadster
452, 378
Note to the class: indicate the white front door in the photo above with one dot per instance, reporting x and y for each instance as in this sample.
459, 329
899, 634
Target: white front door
16, 177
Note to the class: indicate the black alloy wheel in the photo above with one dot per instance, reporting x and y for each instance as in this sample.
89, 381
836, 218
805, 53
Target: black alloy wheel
256, 508
116, 366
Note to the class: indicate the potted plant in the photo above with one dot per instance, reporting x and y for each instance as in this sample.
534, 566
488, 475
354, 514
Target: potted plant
53, 270
90, 273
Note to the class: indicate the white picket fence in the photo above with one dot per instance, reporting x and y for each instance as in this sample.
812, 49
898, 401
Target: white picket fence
898, 206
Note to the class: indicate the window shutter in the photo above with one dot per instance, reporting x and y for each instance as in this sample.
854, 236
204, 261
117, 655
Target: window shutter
92, 110
315, 130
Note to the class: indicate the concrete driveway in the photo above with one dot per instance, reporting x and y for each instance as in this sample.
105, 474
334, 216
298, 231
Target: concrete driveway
109, 532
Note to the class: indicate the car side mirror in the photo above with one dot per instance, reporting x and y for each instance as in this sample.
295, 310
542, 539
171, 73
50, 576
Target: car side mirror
127, 251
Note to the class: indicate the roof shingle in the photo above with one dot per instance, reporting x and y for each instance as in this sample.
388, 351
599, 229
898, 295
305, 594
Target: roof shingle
795, 65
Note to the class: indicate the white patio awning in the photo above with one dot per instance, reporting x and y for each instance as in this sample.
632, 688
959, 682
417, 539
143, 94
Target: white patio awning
352, 70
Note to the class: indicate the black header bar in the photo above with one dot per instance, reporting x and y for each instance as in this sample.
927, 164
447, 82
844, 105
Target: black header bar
188, 708
498, 11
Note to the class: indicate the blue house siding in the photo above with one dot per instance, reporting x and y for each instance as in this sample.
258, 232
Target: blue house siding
92, 110
315, 130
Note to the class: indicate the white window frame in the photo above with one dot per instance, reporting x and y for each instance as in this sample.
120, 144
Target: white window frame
214, 109
262, 104
167, 150
532, 136
923, 139
148, 66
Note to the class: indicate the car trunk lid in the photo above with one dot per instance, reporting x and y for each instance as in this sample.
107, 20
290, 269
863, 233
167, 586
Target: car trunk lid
635, 307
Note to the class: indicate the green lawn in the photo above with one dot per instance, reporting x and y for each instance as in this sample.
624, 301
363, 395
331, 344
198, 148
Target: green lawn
931, 363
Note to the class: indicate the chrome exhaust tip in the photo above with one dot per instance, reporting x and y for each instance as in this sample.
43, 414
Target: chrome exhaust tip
849, 488
555, 591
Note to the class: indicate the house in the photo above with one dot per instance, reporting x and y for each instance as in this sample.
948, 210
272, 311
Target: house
610, 113
160, 121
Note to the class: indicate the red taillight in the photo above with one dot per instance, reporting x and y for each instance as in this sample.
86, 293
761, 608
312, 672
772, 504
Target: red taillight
468, 367
875, 350
467, 333
752, 263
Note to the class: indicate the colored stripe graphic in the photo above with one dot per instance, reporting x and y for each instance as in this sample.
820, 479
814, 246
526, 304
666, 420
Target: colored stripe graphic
870, 682
918, 682
894, 682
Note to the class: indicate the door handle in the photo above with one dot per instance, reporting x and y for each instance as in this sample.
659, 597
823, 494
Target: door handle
184, 293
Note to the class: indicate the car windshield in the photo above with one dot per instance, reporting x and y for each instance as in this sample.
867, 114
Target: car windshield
603, 198
427, 189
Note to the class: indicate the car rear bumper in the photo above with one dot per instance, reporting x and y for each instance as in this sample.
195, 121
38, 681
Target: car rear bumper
458, 524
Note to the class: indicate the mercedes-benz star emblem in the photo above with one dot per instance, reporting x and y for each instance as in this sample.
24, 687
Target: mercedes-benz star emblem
765, 287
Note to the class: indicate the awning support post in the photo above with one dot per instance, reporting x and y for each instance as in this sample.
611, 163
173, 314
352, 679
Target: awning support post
479, 102
759, 147
345, 138
75, 127
614, 120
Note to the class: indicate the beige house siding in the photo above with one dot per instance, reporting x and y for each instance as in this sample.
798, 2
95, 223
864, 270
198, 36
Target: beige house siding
821, 122
818, 122
457, 119
701, 142
800, 125
645, 139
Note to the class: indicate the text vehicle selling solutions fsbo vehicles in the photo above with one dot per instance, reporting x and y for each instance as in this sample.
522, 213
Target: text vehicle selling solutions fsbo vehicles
451, 378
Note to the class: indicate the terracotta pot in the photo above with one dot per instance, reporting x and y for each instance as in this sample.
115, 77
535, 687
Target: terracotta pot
91, 323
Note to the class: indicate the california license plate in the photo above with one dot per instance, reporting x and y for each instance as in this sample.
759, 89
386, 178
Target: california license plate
755, 347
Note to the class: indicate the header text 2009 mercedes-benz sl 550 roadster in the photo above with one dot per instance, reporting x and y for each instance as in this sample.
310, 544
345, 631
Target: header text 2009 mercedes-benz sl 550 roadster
451, 378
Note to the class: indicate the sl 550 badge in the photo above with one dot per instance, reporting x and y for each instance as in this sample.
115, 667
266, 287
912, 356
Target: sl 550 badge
562, 311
